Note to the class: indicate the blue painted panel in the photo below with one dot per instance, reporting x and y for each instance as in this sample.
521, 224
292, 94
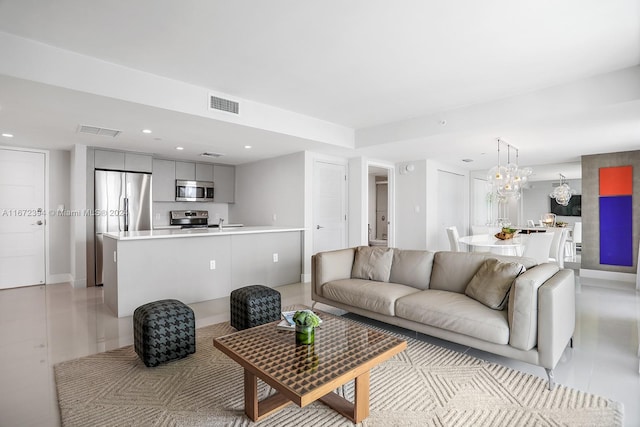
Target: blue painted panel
616, 232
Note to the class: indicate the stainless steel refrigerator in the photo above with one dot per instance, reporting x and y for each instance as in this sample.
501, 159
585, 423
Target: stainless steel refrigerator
122, 203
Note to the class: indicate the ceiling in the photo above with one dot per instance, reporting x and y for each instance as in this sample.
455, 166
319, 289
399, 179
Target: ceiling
408, 80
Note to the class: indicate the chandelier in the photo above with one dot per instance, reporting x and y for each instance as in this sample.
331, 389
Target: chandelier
507, 180
562, 193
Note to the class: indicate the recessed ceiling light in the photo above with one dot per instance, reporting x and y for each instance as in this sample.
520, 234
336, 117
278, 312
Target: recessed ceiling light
146, 130
7, 135
247, 147
179, 148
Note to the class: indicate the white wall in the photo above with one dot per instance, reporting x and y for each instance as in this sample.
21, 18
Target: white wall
411, 201
58, 223
358, 201
78, 226
371, 186
271, 192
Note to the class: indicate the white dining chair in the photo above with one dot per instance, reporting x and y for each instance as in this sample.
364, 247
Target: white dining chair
537, 246
452, 234
556, 252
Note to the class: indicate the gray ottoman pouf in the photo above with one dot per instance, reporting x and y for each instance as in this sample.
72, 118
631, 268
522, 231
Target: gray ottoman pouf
254, 305
164, 330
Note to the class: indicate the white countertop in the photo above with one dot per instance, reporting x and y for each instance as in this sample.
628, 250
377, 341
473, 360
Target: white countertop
196, 232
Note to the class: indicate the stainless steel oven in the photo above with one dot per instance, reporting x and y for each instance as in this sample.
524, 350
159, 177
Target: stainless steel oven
194, 191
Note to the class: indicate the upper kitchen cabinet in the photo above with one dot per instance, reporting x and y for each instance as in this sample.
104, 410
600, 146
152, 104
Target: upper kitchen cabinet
204, 172
121, 161
164, 180
186, 171
224, 181
138, 162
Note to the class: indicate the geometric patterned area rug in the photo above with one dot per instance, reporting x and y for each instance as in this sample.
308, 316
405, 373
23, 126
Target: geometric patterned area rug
426, 385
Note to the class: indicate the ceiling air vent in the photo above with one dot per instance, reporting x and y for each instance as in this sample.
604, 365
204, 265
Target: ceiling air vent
214, 155
221, 104
94, 130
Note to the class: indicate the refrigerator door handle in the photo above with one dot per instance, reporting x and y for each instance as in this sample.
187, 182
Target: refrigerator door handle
126, 214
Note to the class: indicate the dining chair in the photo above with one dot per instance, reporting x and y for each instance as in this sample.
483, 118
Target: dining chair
538, 245
452, 234
556, 252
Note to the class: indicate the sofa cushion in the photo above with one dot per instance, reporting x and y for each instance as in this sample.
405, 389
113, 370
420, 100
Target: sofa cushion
452, 271
491, 283
372, 263
455, 312
411, 268
378, 297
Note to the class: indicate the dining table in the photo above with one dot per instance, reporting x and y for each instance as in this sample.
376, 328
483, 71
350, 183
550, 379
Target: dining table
490, 243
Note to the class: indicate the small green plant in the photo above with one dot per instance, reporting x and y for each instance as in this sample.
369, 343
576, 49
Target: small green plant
306, 318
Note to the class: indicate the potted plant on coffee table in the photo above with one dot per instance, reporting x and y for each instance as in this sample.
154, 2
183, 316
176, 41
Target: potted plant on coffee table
306, 321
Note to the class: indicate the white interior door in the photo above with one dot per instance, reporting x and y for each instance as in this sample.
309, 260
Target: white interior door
329, 206
451, 206
22, 218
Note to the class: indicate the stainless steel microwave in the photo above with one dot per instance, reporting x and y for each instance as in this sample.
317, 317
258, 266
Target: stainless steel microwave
194, 191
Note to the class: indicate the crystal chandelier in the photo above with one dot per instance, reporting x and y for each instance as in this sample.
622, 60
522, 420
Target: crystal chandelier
507, 180
562, 193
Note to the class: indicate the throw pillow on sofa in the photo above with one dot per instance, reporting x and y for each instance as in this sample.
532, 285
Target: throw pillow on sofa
372, 263
492, 282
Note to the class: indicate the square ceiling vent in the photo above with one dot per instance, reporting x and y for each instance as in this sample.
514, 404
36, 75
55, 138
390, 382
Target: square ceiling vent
95, 130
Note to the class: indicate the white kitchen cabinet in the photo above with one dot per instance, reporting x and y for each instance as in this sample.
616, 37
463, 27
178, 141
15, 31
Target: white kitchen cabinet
164, 180
122, 161
112, 160
204, 172
138, 162
186, 171
224, 181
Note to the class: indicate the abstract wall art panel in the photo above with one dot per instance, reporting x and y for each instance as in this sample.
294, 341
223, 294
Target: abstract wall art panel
616, 237
616, 216
616, 181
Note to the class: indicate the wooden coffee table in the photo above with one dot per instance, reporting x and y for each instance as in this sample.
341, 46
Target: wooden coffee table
343, 351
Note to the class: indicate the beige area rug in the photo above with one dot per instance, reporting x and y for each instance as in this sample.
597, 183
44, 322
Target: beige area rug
425, 385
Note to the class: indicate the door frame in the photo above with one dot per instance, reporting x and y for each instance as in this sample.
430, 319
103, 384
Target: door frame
47, 278
391, 199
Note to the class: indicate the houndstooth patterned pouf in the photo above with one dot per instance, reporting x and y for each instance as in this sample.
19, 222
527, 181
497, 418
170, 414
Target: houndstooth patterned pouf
253, 306
164, 330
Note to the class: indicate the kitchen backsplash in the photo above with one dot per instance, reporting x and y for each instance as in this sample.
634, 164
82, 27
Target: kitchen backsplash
216, 211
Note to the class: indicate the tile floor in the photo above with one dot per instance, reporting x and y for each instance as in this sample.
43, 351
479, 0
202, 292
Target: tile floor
43, 325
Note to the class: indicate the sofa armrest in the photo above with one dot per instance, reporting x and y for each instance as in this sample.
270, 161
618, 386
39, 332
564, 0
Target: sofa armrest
556, 317
523, 305
328, 266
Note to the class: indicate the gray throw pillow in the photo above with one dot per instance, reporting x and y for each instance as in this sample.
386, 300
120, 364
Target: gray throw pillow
492, 282
372, 263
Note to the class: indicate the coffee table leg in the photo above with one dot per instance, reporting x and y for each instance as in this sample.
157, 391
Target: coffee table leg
250, 395
359, 409
361, 398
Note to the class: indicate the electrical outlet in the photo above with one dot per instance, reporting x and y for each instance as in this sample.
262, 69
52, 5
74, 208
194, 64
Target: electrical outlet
212, 264
275, 257
274, 217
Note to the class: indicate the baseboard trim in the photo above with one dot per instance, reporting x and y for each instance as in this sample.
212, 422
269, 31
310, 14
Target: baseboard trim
59, 278
608, 275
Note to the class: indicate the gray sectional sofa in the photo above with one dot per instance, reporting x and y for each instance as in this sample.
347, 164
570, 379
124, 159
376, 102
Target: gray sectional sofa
504, 305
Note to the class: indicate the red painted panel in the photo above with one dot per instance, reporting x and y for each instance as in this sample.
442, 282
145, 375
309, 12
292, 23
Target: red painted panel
616, 181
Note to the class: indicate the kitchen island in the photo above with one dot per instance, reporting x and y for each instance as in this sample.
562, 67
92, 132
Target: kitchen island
197, 264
